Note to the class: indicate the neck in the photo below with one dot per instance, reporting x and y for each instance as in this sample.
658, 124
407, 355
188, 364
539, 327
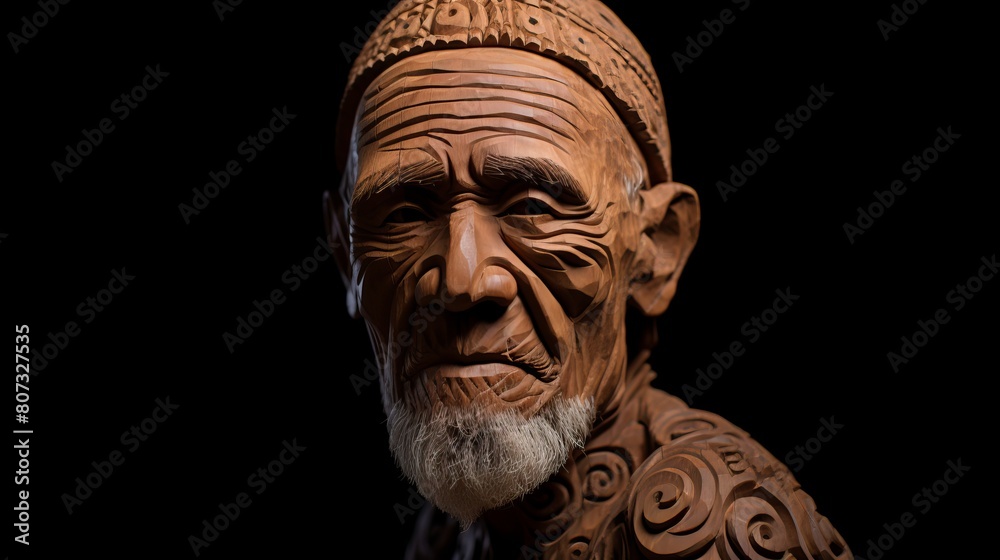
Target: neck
584, 493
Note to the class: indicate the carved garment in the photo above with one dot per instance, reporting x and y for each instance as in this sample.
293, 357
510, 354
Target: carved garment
657, 480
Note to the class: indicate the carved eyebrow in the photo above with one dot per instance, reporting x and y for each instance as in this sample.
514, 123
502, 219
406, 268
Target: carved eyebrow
541, 172
426, 171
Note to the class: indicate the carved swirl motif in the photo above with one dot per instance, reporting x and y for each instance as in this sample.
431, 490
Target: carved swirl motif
675, 505
686, 425
578, 548
690, 502
758, 528
550, 501
605, 475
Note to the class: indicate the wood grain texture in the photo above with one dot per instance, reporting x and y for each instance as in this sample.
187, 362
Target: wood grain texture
506, 225
585, 36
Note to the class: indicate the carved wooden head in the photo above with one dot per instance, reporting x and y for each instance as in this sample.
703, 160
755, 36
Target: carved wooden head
506, 202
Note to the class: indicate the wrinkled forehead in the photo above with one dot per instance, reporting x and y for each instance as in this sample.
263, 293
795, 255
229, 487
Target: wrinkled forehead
487, 95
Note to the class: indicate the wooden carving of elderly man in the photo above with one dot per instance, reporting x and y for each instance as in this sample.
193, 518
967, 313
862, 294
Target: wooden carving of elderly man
508, 229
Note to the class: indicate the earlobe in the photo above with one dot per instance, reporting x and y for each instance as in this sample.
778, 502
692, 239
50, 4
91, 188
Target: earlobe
670, 217
337, 237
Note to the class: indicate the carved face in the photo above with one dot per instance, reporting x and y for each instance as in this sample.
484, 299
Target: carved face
498, 223
493, 230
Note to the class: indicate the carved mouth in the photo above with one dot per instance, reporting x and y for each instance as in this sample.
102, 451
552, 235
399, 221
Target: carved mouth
478, 365
485, 369
480, 345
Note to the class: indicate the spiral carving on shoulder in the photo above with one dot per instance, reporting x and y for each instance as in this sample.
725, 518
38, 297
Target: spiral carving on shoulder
688, 502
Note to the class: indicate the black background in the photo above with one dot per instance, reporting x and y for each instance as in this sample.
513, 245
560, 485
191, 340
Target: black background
162, 336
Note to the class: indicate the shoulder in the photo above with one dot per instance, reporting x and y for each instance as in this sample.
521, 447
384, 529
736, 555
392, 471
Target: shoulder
708, 484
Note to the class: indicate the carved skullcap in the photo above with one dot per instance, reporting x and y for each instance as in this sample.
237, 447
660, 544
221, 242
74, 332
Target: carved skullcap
584, 35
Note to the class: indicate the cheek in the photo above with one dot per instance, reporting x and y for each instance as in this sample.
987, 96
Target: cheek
381, 265
579, 261
599, 358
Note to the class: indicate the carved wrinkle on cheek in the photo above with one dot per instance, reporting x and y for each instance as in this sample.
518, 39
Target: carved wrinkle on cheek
573, 258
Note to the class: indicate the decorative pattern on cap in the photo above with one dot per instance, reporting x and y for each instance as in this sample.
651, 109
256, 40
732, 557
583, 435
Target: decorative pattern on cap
584, 35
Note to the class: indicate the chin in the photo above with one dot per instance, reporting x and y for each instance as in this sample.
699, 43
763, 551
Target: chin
468, 457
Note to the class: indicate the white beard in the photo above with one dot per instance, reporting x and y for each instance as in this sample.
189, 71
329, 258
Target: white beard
467, 461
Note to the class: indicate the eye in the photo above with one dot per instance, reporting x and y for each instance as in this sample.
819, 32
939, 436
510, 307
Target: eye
406, 215
528, 206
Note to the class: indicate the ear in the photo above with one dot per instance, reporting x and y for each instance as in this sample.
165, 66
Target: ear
337, 236
671, 216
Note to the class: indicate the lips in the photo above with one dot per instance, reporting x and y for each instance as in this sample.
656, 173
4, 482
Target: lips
532, 358
474, 370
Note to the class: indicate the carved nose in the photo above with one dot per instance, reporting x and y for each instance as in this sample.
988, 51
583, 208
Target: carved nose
472, 271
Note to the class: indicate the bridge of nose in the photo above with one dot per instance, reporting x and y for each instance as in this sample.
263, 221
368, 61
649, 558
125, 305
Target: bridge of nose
473, 268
